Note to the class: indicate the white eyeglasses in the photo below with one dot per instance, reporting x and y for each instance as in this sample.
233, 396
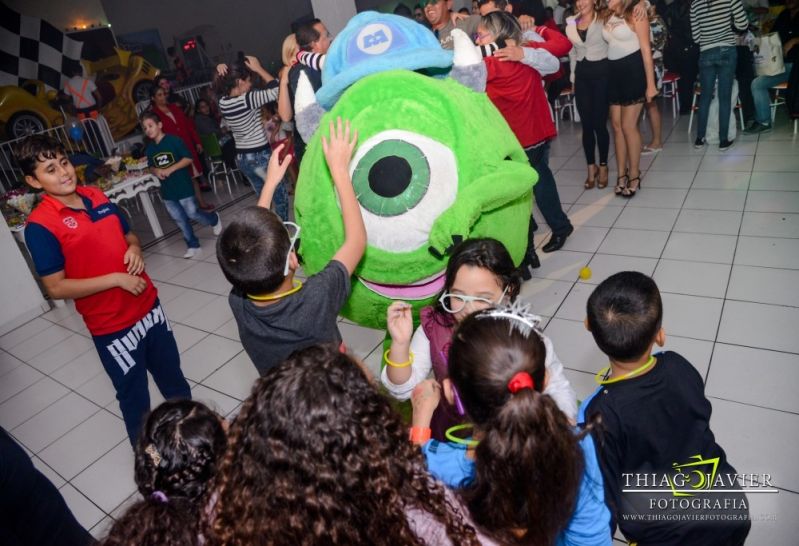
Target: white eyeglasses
294, 234
455, 303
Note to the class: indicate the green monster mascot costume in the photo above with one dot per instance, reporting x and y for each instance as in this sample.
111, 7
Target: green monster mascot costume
436, 162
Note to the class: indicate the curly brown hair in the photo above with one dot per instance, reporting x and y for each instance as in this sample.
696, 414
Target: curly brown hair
176, 457
318, 456
528, 464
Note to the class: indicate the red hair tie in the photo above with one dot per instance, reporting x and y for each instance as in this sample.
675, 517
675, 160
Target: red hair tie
521, 380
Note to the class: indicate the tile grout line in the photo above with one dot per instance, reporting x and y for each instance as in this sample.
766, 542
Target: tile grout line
768, 408
729, 278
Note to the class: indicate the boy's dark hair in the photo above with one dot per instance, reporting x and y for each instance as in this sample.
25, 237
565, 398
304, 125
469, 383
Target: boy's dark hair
533, 8
403, 11
306, 34
252, 251
36, 149
528, 465
625, 313
152, 116
485, 253
177, 455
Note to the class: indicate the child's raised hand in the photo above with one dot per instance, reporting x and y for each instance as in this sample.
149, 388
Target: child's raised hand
276, 168
399, 320
221, 69
339, 146
424, 399
274, 174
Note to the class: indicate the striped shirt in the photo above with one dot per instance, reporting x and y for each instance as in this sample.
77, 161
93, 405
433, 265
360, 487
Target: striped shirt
243, 117
712, 22
311, 59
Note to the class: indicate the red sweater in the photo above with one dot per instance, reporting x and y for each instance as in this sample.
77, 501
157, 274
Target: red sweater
517, 92
555, 42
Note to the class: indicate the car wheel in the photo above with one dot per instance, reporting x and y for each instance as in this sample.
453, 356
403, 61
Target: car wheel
23, 124
141, 91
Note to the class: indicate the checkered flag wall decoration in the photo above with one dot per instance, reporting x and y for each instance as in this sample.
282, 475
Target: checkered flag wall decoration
33, 49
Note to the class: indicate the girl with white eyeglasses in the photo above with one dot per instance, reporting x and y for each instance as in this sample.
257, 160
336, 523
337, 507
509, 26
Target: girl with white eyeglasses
480, 274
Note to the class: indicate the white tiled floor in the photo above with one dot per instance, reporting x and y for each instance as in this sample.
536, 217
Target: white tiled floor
719, 232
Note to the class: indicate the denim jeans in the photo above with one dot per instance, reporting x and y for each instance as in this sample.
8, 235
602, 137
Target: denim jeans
186, 209
546, 192
717, 62
760, 88
253, 165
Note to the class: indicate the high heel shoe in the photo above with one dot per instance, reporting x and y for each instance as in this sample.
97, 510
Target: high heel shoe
590, 182
621, 184
630, 191
602, 182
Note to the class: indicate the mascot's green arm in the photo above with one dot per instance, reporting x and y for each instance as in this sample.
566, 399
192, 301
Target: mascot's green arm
506, 183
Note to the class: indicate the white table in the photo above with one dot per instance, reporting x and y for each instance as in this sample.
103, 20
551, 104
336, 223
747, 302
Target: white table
138, 185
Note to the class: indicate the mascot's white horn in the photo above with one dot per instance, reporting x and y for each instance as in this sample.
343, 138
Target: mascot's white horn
468, 67
307, 111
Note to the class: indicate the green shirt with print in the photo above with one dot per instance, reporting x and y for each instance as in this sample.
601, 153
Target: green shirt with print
164, 154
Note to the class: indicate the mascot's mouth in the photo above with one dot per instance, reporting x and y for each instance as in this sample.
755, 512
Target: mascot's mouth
419, 290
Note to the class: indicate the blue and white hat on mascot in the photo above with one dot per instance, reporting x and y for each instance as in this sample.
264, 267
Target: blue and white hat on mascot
376, 42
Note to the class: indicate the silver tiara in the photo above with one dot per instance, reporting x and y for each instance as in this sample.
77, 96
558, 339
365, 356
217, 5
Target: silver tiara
518, 315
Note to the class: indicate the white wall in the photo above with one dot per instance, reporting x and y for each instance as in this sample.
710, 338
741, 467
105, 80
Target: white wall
62, 13
334, 13
20, 297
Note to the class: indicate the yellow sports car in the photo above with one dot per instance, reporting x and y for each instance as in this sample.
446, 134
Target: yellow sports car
122, 80
130, 76
28, 109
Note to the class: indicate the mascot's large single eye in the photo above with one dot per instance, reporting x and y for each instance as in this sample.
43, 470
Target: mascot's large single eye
403, 181
391, 178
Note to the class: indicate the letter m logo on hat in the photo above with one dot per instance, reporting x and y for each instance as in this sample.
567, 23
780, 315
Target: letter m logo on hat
375, 39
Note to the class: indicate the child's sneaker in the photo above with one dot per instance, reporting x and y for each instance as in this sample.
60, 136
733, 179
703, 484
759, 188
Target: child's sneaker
725, 145
699, 143
192, 253
218, 227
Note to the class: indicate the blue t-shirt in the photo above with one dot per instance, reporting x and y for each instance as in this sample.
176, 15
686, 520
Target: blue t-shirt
164, 154
590, 522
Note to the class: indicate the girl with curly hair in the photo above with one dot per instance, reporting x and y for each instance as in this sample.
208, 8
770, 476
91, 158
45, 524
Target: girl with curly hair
176, 457
317, 456
525, 476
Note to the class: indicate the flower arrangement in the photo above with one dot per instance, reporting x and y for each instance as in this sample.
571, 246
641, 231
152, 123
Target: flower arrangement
21, 199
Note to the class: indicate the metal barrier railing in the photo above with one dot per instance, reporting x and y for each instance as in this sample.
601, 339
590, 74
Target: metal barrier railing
97, 140
190, 94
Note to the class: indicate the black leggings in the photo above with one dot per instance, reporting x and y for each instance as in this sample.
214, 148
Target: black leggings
592, 104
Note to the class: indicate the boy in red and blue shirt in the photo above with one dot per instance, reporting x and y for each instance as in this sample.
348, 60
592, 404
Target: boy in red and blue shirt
83, 249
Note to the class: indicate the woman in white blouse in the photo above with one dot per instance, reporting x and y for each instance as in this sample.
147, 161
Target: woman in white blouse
631, 82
